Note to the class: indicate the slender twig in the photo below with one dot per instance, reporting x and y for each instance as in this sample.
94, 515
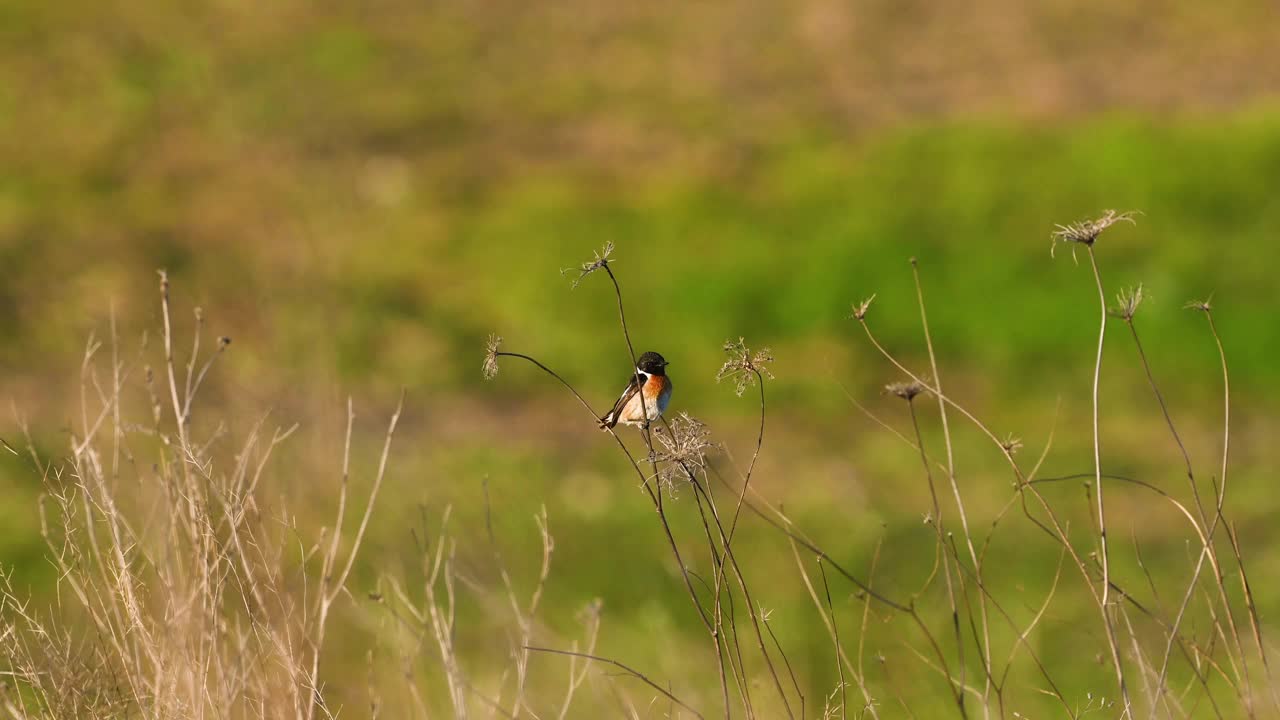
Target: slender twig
835, 635
625, 668
951, 476
940, 550
1102, 517
1209, 551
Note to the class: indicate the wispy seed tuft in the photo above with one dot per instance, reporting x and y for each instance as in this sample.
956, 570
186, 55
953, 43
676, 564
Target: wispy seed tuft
743, 366
683, 450
906, 390
1127, 302
1011, 444
598, 262
860, 309
490, 365
1202, 305
1085, 232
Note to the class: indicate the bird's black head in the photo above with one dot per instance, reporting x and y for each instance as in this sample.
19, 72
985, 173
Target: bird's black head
652, 363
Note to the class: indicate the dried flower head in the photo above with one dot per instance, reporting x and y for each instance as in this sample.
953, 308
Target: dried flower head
490, 365
743, 366
1127, 302
1202, 305
906, 390
682, 450
598, 262
1085, 232
1011, 444
860, 309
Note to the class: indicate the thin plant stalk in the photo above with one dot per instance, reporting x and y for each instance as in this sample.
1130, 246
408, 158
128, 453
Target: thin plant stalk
1102, 517
955, 487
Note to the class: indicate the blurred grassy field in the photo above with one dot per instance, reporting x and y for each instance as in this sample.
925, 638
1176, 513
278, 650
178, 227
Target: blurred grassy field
358, 197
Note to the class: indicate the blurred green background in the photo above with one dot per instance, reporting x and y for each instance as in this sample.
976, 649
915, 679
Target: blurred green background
359, 195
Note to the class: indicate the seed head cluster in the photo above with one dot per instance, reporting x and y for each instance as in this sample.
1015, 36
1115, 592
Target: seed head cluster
683, 449
490, 365
1085, 232
598, 262
906, 390
1202, 305
743, 366
860, 309
1127, 302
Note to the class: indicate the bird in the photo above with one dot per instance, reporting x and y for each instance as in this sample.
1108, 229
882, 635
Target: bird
645, 397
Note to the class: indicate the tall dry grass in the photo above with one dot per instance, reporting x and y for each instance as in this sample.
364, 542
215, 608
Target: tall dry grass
182, 593
181, 597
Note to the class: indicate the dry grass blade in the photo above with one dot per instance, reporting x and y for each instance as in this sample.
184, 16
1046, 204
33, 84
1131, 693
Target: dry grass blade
625, 668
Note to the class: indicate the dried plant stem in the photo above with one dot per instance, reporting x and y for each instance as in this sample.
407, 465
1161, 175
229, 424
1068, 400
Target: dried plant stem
835, 637
331, 588
647, 433
955, 487
576, 678
1098, 493
168, 361
1058, 531
1209, 551
783, 524
742, 585
625, 668
755, 455
1252, 608
940, 549
733, 524
731, 644
1044, 671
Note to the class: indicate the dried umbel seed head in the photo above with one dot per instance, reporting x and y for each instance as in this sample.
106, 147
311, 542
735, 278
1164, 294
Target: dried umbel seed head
1011, 444
860, 309
490, 365
1127, 302
683, 450
1085, 232
598, 262
743, 366
1202, 305
906, 390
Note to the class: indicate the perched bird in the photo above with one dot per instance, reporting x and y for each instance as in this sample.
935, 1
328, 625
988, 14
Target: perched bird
645, 397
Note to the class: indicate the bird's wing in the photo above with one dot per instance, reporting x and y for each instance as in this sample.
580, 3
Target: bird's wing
611, 418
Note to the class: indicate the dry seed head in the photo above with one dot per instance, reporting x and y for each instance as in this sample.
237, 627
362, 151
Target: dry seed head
1011, 444
744, 366
598, 262
1085, 232
860, 309
1127, 302
490, 365
906, 390
1202, 305
682, 450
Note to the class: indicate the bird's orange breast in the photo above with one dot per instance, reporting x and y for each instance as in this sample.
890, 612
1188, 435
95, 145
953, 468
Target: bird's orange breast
654, 386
